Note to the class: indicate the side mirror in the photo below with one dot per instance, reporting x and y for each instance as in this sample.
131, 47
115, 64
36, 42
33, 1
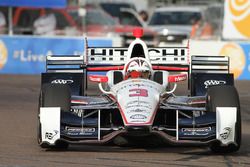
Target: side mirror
177, 78
98, 78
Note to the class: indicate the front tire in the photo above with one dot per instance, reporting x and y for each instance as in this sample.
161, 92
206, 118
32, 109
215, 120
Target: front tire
53, 95
225, 96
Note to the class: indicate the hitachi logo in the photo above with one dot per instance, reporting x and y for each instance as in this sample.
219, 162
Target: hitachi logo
108, 51
123, 51
166, 51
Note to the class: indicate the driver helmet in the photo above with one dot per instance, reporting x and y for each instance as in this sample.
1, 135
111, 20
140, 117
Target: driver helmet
138, 69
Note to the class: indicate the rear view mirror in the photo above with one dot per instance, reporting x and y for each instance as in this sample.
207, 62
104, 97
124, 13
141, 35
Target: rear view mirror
177, 78
98, 78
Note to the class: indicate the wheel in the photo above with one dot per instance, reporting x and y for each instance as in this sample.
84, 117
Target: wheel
53, 95
225, 96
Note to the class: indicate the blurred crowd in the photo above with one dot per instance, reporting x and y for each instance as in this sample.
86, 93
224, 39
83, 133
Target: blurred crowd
165, 23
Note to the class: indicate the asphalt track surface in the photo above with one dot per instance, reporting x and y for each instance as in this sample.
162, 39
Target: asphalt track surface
18, 145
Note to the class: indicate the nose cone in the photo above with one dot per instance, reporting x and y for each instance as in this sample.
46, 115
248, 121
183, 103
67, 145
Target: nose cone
138, 32
138, 101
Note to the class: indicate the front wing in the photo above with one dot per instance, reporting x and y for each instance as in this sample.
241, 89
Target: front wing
192, 125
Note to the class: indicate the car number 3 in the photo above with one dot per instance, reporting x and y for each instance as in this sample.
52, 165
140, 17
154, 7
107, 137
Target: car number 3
138, 92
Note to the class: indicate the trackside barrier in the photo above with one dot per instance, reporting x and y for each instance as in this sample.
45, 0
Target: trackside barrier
27, 54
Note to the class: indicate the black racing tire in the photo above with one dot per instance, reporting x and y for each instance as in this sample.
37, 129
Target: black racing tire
39, 132
53, 95
225, 96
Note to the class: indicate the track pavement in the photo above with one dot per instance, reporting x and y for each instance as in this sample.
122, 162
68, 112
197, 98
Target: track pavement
18, 146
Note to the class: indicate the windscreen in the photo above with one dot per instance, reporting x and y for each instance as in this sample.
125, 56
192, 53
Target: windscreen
114, 8
174, 18
93, 17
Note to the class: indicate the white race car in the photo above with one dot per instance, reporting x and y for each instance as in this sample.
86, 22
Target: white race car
138, 101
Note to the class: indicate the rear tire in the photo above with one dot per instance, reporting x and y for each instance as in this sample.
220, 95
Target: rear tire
53, 95
225, 96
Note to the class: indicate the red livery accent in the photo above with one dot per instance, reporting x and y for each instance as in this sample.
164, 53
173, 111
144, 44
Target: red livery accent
108, 68
138, 32
98, 78
166, 68
177, 78
134, 74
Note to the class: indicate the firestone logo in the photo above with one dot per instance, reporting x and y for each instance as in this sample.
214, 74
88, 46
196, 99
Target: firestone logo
3, 54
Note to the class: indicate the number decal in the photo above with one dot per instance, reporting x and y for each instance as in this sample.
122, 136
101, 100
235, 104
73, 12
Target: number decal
138, 92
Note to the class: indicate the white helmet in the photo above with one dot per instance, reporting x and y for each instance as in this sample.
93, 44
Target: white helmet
138, 69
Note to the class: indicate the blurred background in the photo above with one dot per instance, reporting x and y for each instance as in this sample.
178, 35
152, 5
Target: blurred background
30, 30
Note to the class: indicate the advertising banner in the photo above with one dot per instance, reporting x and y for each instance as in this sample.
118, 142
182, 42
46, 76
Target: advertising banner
239, 53
236, 19
34, 3
27, 55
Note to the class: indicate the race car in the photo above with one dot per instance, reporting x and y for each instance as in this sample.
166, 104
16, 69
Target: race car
138, 100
